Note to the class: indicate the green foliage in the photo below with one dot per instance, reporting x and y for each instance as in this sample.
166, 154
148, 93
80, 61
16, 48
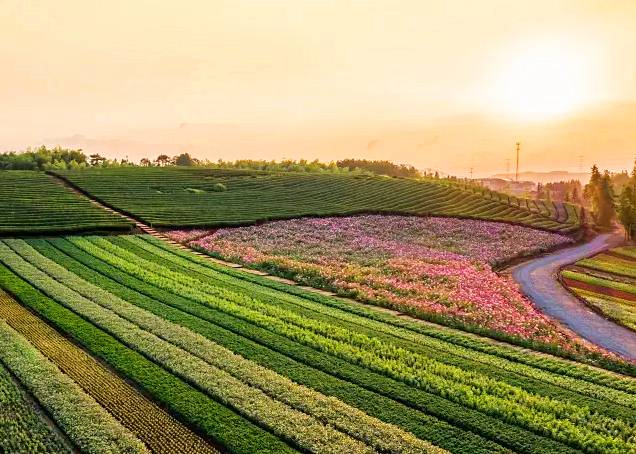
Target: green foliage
21, 428
568, 422
599, 192
184, 159
87, 424
219, 187
204, 322
43, 158
257, 196
627, 207
380, 167
183, 400
162, 316
289, 411
33, 202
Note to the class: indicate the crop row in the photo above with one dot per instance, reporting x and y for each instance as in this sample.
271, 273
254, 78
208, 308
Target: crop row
159, 197
230, 430
610, 264
448, 335
431, 347
566, 422
32, 202
599, 281
22, 429
159, 431
347, 419
627, 251
85, 422
298, 363
307, 432
617, 309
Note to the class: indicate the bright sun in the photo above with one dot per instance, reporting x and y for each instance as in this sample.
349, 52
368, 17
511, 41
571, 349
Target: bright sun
543, 81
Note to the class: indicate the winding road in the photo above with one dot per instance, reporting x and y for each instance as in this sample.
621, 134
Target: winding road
538, 280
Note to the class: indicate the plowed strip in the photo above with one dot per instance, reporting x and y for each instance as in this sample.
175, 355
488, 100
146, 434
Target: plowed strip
599, 289
152, 425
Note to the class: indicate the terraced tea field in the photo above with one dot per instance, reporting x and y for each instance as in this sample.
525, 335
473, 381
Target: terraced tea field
245, 364
33, 202
607, 282
173, 197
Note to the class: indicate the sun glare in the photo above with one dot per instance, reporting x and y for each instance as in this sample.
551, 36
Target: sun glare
544, 81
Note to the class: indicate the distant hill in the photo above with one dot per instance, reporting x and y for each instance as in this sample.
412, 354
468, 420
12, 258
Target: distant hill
546, 177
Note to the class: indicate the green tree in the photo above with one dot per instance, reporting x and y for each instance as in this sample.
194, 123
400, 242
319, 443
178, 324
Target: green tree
627, 211
96, 160
184, 159
163, 160
605, 210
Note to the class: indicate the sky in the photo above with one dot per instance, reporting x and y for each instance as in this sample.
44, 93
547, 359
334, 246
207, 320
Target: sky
450, 85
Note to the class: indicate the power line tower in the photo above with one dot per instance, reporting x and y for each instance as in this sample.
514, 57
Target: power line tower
517, 169
471, 173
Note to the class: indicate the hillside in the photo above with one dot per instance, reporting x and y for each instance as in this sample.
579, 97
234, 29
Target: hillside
178, 197
33, 203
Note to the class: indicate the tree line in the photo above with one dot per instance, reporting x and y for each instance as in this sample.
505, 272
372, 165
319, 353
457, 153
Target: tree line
609, 201
57, 158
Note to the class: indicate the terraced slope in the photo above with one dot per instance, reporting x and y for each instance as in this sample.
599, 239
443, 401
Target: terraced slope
260, 366
607, 282
33, 202
173, 197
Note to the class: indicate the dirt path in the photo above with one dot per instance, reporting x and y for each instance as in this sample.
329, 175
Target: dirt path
538, 280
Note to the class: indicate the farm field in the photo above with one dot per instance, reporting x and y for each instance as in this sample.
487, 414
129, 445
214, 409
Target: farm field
607, 282
177, 197
254, 365
33, 203
438, 269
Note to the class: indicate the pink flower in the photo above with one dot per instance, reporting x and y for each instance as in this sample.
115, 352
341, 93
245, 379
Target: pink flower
435, 265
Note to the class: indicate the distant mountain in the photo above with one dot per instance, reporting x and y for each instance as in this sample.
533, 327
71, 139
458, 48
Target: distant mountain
546, 177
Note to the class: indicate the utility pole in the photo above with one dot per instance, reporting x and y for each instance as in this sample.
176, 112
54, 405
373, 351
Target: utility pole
517, 170
471, 173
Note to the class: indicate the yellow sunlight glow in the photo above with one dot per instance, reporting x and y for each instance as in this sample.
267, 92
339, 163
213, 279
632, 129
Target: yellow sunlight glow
545, 80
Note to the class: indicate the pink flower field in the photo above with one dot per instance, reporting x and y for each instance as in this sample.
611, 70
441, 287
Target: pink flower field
435, 268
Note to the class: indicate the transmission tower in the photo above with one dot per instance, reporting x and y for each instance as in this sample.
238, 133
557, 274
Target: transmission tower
517, 169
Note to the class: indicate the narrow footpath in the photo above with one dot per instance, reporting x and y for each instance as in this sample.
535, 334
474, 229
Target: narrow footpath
538, 279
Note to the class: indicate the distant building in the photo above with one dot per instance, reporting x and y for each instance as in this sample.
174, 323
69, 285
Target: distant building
508, 186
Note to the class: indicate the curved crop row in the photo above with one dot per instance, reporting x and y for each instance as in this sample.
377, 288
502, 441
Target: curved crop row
293, 425
364, 324
22, 429
32, 202
85, 422
298, 364
513, 353
347, 419
230, 430
159, 431
164, 197
567, 422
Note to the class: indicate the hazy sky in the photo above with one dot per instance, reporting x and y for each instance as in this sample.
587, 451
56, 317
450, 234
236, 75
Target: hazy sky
447, 84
